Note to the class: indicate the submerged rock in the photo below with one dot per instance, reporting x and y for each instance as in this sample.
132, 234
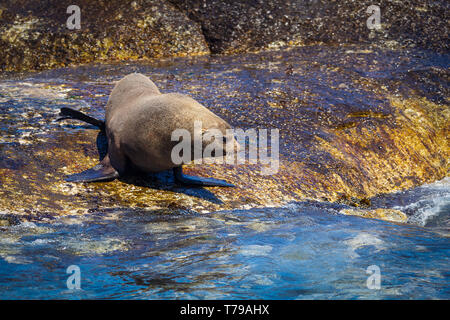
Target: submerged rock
382, 214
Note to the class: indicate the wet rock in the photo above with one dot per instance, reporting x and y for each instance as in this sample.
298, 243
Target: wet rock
379, 133
7, 220
34, 35
382, 214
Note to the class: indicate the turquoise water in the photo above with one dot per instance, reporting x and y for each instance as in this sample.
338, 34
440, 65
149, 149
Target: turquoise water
302, 251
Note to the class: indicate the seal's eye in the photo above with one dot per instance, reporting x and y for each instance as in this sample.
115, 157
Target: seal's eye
224, 139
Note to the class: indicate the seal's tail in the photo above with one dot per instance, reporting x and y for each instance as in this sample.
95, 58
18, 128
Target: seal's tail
68, 113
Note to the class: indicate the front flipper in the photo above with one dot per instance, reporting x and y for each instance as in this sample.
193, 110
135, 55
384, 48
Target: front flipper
100, 172
198, 181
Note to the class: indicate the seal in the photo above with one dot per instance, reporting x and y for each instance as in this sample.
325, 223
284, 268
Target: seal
139, 123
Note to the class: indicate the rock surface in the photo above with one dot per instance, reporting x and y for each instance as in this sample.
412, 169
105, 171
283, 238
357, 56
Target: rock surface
354, 123
34, 35
382, 214
236, 26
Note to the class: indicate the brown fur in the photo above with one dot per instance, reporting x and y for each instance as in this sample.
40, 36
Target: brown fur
140, 121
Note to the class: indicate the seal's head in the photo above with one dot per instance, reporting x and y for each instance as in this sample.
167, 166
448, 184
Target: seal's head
219, 142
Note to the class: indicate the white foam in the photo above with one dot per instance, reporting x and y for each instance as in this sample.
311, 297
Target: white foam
364, 239
433, 201
256, 250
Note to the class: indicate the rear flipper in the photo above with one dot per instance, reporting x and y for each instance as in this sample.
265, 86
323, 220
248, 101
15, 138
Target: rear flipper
68, 113
100, 172
198, 181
